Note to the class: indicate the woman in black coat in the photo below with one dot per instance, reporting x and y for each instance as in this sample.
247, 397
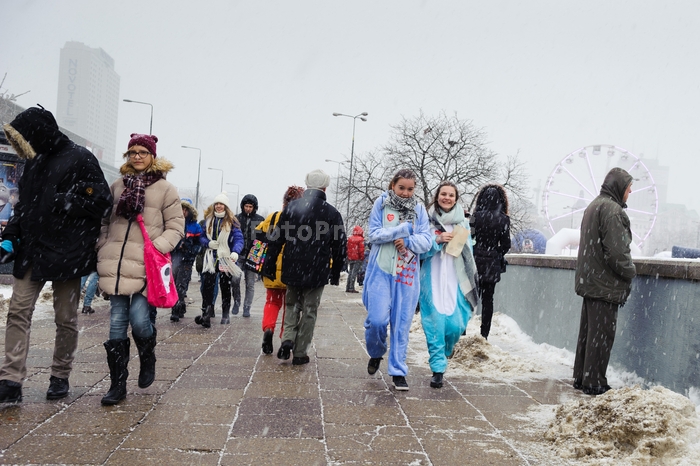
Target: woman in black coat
491, 231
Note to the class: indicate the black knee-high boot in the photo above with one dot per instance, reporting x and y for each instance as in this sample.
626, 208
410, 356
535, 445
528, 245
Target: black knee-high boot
147, 359
118, 360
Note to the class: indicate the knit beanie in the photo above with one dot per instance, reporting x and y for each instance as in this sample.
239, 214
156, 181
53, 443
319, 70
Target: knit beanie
146, 140
223, 199
317, 179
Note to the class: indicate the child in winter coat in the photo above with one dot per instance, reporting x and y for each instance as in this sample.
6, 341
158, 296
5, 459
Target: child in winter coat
448, 277
356, 254
399, 231
183, 257
224, 241
276, 290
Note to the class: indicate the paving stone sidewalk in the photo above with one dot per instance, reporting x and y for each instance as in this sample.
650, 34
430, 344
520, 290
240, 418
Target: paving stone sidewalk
218, 400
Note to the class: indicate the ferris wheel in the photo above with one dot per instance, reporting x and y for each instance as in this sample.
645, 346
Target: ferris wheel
576, 180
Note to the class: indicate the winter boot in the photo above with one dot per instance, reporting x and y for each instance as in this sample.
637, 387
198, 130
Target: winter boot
267, 342
182, 310
175, 312
147, 358
224, 316
205, 321
198, 320
118, 360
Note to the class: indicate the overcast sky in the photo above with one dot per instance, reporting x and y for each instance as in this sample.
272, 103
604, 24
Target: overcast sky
254, 84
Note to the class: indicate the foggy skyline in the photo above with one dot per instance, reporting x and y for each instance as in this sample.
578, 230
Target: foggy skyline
260, 80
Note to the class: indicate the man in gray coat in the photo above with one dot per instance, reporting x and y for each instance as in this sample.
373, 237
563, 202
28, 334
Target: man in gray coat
604, 273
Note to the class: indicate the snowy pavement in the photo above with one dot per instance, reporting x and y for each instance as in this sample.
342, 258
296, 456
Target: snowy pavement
218, 400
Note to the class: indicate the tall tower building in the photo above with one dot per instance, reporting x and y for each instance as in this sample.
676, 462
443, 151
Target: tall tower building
88, 97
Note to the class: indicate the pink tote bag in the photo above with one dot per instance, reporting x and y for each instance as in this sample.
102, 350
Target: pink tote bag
160, 284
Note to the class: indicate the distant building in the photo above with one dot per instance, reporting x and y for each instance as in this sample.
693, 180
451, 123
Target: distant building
88, 98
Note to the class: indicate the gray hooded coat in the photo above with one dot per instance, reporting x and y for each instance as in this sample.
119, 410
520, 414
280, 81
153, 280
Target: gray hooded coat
604, 269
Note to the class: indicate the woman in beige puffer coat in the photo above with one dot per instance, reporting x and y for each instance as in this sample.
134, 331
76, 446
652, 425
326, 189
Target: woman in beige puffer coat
142, 190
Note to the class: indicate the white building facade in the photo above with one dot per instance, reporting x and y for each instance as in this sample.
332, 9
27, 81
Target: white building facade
88, 97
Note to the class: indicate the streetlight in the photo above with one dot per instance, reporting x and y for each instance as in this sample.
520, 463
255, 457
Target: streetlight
150, 129
222, 177
337, 179
238, 192
199, 169
361, 116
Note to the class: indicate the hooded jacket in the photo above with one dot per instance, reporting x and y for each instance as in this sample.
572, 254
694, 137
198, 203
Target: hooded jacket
356, 244
120, 247
190, 246
249, 222
604, 269
63, 195
490, 225
312, 233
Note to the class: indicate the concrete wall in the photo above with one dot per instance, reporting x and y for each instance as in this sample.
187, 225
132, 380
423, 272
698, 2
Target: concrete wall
658, 332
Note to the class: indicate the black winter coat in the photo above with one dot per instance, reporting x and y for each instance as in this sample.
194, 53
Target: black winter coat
491, 233
312, 233
63, 196
249, 222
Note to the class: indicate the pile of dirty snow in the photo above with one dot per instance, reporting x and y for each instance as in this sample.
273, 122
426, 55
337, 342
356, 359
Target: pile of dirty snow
627, 425
474, 355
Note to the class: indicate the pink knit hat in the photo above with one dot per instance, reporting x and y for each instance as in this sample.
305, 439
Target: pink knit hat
146, 140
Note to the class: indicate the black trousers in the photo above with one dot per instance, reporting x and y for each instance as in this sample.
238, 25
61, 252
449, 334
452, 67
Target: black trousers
487, 290
596, 336
208, 282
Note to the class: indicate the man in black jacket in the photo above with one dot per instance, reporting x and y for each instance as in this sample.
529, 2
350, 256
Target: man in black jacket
604, 273
312, 233
63, 195
249, 219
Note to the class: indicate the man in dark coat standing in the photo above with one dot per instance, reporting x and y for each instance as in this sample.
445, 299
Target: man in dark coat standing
249, 219
63, 195
312, 233
604, 273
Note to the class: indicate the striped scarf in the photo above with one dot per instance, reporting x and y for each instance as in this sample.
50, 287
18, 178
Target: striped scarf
133, 198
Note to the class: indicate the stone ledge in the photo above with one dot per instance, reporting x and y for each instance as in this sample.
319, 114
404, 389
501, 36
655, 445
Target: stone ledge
683, 269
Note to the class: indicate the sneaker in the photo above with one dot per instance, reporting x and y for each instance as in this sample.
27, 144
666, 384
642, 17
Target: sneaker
58, 388
400, 383
299, 360
436, 380
88, 310
189, 301
596, 390
285, 349
10, 392
373, 365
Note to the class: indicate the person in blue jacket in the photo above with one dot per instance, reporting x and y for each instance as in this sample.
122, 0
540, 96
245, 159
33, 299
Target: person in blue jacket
183, 257
399, 231
224, 241
448, 279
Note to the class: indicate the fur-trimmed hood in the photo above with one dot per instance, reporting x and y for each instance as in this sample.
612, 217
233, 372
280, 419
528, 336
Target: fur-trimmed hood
35, 131
492, 197
193, 212
159, 164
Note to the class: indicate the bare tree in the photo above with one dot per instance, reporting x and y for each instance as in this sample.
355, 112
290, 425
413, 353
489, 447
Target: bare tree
436, 149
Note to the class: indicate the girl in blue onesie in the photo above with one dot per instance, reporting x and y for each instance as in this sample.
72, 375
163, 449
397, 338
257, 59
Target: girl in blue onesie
399, 232
448, 278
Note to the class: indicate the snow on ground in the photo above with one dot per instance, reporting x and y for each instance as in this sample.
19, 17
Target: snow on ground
42, 311
626, 426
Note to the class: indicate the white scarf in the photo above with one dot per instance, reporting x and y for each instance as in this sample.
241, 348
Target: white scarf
223, 253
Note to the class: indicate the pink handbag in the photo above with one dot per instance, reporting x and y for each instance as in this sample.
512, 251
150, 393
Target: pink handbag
160, 284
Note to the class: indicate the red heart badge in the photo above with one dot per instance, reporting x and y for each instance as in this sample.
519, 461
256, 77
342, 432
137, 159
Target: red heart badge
390, 217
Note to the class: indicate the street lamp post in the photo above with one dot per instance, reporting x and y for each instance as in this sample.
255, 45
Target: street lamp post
238, 192
337, 179
150, 128
199, 169
222, 177
361, 116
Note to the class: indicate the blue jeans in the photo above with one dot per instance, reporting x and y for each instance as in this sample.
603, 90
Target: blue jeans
127, 310
91, 280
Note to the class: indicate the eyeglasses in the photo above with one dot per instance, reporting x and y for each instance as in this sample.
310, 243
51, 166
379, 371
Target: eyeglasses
138, 155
